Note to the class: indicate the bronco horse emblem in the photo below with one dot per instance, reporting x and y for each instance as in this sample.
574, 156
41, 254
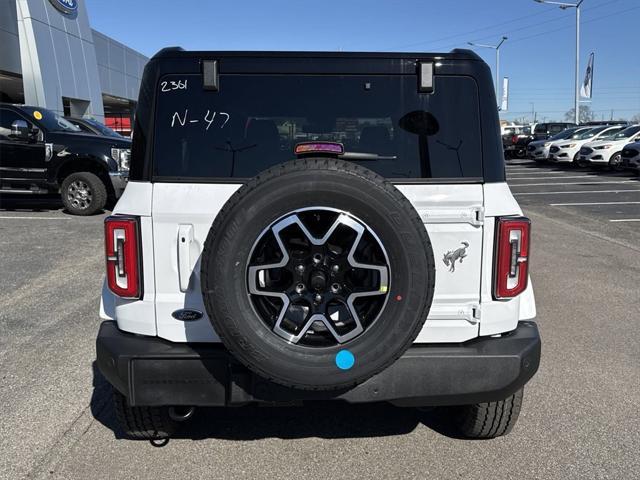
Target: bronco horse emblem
452, 255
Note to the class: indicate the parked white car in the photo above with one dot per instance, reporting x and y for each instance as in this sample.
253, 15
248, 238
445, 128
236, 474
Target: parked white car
568, 151
631, 156
538, 150
607, 150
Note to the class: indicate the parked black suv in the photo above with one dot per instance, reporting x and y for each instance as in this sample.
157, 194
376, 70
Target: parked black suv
42, 152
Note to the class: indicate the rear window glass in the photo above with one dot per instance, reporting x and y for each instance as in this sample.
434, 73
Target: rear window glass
255, 121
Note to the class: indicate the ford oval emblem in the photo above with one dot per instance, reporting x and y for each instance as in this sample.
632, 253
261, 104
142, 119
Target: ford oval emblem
68, 7
187, 315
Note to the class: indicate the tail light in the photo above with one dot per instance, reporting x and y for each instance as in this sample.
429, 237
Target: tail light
511, 270
122, 250
514, 139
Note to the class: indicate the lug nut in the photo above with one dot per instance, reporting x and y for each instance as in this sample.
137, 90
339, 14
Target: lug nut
300, 268
300, 288
335, 268
318, 298
335, 288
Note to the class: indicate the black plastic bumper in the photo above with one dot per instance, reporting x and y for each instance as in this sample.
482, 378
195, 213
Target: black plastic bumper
152, 371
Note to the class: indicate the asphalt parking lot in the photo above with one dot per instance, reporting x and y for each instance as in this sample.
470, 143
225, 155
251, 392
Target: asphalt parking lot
579, 420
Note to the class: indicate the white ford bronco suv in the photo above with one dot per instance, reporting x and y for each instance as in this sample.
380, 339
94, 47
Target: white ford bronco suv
317, 226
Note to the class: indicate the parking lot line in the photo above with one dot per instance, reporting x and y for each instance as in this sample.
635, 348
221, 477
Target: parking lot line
554, 178
592, 203
546, 172
626, 220
572, 183
577, 191
34, 218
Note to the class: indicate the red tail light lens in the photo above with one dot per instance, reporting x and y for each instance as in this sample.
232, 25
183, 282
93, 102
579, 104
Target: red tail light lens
514, 139
511, 272
122, 250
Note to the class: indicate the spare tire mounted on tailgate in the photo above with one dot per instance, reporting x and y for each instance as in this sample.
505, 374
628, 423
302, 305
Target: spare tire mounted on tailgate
318, 274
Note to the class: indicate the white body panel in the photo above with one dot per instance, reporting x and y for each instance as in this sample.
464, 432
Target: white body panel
568, 149
135, 315
539, 149
462, 308
603, 150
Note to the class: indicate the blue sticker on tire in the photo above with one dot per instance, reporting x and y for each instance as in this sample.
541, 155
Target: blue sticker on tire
345, 360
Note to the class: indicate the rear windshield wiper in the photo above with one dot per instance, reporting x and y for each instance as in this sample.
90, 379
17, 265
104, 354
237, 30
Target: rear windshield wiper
358, 156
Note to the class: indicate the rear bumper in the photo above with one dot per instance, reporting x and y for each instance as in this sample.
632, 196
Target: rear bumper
152, 371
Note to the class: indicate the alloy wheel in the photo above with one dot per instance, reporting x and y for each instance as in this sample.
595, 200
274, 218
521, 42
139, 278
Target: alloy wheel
318, 277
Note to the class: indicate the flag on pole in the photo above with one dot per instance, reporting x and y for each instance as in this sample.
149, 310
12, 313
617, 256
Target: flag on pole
504, 106
587, 86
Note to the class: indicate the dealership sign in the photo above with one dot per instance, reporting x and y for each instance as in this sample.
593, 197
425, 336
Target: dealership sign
68, 7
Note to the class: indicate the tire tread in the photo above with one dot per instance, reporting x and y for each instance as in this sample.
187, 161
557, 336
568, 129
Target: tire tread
490, 419
142, 423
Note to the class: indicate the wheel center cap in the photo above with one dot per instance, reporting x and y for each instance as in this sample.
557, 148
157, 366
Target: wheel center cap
318, 281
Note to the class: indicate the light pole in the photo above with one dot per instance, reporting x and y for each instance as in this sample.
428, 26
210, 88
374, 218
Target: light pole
564, 6
497, 49
533, 112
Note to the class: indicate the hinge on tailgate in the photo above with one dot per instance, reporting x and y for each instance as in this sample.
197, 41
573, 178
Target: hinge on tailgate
479, 212
476, 313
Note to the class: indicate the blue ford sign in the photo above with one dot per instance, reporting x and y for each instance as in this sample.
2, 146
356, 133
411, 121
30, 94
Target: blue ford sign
68, 7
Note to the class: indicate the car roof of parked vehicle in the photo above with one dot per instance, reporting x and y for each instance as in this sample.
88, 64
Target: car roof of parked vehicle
50, 119
621, 134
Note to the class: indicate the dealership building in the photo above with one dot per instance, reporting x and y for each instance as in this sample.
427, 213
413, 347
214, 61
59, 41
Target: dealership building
50, 57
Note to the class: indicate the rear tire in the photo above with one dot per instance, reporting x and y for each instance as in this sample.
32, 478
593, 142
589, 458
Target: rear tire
143, 423
491, 419
83, 193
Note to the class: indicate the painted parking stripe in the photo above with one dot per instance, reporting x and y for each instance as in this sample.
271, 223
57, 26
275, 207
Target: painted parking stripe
577, 191
571, 183
626, 220
35, 218
546, 172
593, 203
554, 178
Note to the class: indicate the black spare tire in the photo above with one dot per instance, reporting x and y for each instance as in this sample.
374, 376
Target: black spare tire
317, 274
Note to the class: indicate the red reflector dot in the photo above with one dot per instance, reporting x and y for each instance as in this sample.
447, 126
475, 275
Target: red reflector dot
398, 298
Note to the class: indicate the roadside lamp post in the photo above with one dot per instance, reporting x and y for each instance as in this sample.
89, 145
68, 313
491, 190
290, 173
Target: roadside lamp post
564, 6
497, 49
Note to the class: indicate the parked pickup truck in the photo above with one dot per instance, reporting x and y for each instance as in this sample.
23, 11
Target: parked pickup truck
515, 141
40, 152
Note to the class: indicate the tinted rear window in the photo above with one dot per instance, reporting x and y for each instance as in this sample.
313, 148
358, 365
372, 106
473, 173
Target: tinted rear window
255, 121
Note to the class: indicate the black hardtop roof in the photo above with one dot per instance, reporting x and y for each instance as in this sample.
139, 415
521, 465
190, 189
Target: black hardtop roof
179, 52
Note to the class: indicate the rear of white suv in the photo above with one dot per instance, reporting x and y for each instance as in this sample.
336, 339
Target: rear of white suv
303, 226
